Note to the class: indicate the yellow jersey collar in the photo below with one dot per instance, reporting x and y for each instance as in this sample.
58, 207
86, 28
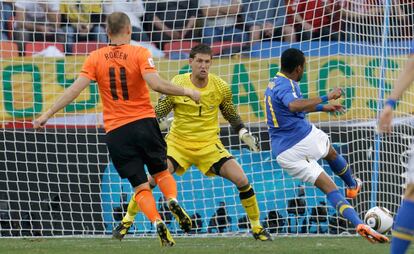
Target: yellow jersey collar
281, 75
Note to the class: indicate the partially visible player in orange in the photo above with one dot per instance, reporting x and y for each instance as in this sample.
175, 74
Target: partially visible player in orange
133, 137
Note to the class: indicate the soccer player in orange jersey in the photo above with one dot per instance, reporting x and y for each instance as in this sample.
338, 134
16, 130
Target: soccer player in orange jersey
132, 132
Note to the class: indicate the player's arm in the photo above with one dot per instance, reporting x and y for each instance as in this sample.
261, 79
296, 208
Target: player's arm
162, 109
160, 85
314, 104
68, 96
229, 112
404, 80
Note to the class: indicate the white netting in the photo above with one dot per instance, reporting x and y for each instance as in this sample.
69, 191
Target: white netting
61, 182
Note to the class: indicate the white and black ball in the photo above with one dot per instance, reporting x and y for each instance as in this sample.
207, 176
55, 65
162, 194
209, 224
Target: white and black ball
379, 219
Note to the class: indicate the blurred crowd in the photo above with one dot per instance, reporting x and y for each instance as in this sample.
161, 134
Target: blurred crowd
208, 21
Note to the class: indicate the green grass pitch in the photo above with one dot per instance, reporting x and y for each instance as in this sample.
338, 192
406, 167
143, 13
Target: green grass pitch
215, 245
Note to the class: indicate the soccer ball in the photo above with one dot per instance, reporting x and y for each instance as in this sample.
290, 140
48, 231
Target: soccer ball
379, 219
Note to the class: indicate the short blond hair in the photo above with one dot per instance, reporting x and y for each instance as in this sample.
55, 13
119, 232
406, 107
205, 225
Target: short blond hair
117, 21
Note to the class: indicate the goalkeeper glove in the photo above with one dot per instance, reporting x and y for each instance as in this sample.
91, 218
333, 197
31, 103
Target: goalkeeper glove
250, 140
165, 122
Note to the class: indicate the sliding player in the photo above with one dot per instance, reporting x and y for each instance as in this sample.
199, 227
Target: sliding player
298, 145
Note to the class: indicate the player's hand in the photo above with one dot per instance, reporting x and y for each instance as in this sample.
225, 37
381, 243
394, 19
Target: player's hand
250, 140
384, 123
40, 122
336, 93
165, 122
334, 108
193, 94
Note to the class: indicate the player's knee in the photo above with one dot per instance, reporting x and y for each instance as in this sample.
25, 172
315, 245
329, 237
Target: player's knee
325, 183
240, 180
172, 164
332, 154
151, 181
142, 187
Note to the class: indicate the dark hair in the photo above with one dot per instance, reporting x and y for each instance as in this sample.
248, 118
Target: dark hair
117, 21
291, 58
201, 49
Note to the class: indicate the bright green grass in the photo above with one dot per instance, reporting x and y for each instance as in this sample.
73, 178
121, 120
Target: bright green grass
225, 245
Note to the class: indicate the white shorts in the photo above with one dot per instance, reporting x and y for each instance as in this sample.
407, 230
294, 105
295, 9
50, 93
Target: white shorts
410, 168
300, 161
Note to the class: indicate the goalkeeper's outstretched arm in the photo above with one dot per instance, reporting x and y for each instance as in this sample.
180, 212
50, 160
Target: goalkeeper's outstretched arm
229, 112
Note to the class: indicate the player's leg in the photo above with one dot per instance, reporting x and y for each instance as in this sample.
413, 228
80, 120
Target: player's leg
168, 187
338, 201
341, 168
159, 169
133, 208
146, 202
231, 170
403, 229
122, 229
184, 220
127, 147
300, 162
175, 153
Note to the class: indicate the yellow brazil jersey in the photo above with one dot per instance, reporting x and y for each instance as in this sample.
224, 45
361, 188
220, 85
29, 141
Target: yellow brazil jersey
80, 11
197, 125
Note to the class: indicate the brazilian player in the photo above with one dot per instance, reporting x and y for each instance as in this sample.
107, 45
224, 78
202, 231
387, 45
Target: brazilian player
298, 145
193, 138
403, 230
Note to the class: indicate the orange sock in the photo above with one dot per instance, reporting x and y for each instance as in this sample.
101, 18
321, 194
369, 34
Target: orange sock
167, 184
146, 202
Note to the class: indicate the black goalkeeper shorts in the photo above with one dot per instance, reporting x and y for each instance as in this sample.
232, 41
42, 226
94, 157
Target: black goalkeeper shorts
134, 145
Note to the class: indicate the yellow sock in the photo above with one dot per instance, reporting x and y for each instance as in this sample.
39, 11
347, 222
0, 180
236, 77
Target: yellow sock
132, 210
249, 202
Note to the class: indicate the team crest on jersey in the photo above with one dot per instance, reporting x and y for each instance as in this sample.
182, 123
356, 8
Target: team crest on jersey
213, 98
151, 62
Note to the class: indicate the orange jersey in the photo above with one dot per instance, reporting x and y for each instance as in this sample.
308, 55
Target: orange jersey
119, 71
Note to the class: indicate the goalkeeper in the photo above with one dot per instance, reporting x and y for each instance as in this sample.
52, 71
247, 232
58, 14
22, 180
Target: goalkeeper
194, 135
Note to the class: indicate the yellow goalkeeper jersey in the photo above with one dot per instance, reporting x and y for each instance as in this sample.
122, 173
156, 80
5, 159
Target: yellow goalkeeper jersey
197, 125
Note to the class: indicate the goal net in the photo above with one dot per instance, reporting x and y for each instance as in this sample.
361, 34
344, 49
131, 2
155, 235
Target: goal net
61, 181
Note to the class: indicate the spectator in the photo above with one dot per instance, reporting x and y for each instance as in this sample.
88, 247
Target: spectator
266, 19
37, 21
313, 19
362, 20
220, 21
407, 7
171, 20
84, 22
6, 12
135, 11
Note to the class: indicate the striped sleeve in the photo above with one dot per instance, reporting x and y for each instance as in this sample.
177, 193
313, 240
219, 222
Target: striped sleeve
227, 108
164, 106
